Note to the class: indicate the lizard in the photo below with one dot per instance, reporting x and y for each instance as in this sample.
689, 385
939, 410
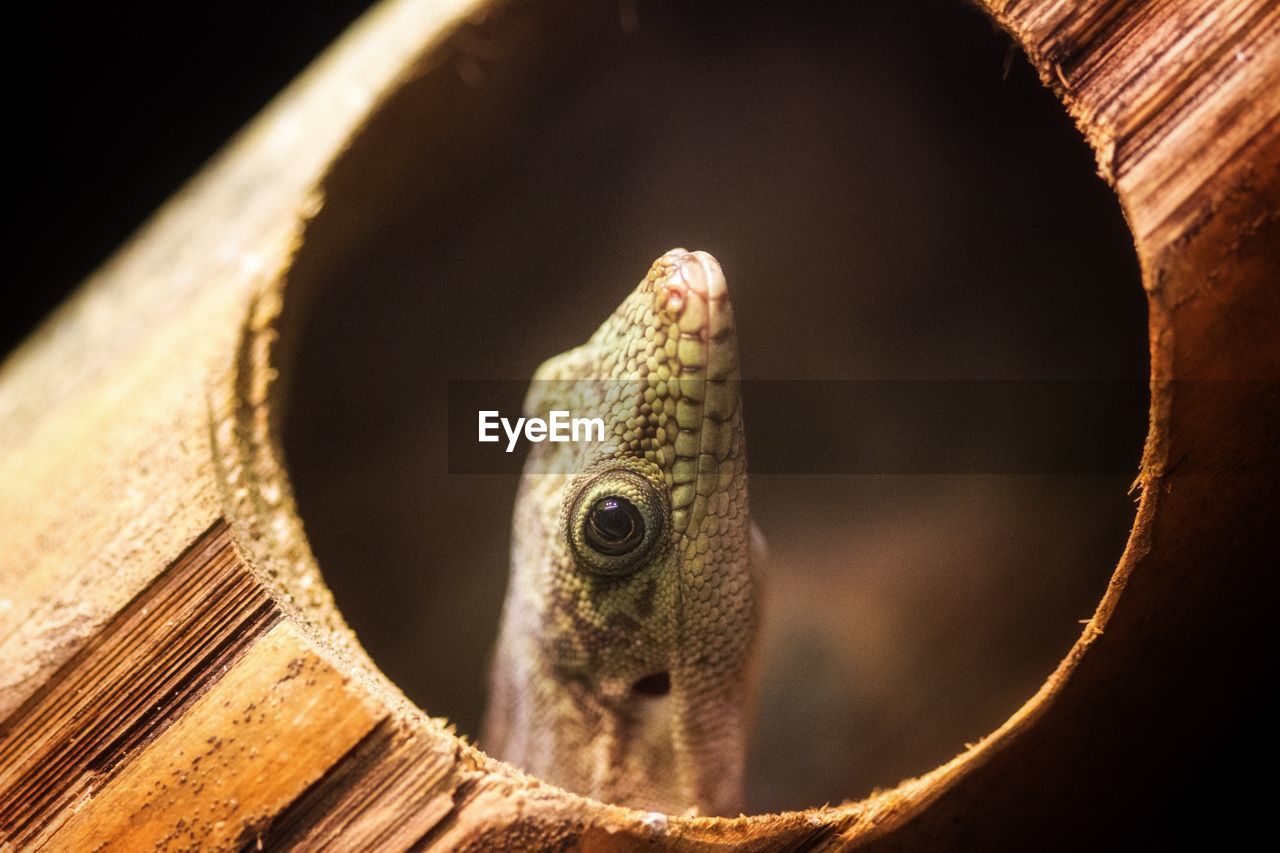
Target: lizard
624, 664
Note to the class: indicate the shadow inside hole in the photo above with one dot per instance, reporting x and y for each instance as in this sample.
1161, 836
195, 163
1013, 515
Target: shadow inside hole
886, 204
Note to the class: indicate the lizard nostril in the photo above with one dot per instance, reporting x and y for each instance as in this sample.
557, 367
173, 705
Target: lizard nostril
656, 684
673, 297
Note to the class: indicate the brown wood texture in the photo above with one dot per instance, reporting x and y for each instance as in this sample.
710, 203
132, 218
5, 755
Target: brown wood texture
173, 671
131, 680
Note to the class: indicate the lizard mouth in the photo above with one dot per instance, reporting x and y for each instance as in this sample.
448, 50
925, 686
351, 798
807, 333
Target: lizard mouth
652, 685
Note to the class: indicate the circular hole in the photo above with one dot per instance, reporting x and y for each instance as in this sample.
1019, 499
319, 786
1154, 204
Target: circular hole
895, 200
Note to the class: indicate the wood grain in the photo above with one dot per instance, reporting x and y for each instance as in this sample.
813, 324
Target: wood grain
266, 731
131, 681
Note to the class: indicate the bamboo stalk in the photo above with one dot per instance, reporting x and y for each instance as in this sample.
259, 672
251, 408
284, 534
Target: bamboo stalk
173, 669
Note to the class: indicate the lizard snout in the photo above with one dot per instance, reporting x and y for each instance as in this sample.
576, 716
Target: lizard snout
684, 272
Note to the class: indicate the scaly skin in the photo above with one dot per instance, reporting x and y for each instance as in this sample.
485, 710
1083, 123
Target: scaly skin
586, 636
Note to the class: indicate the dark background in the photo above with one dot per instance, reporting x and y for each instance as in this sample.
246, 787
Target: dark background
971, 207
116, 106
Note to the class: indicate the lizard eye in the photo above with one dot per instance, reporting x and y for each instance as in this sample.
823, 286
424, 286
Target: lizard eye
615, 520
614, 526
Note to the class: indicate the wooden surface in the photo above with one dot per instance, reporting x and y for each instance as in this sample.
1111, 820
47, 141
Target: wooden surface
172, 669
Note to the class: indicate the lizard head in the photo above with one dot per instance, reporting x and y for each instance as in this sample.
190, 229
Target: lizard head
640, 542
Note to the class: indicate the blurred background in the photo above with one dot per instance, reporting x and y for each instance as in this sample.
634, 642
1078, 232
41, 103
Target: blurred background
893, 196
115, 106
